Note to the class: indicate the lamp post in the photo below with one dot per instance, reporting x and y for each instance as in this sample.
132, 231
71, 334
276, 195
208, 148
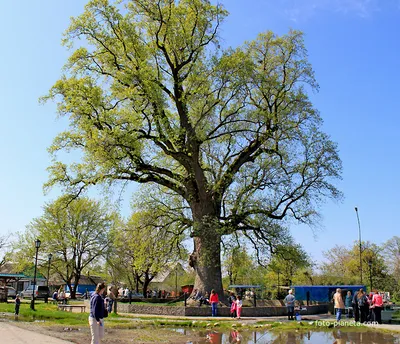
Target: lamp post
359, 239
48, 276
37, 245
370, 273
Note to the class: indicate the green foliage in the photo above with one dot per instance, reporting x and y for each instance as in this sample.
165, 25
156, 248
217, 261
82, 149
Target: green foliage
145, 246
343, 265
151, 97
75, 232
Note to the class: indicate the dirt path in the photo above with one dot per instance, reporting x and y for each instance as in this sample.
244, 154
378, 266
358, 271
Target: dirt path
16, 335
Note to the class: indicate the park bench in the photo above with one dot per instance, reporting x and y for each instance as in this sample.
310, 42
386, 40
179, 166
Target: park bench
70, 307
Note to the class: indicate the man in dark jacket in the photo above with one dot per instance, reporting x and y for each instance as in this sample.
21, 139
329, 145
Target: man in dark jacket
356, 310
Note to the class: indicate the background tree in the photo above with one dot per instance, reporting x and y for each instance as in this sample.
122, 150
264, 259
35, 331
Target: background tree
343, 265
391, 256
4, 246
153, 98
76, 234
239, 266
288, 260
147, 245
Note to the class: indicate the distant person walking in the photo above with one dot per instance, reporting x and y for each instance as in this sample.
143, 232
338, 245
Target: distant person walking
96, 316
338, 303
214, 302
289, 302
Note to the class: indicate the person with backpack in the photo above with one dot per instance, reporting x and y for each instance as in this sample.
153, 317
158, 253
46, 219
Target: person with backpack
362, 302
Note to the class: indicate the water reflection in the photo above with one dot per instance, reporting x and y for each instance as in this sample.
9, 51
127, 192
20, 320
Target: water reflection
291, 337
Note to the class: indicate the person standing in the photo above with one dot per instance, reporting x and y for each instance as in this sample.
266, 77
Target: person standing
289, 302
214, 302
17, 304
348, 302
362, 302
377, 305
96, 316
239, 305
110, 299
339, 304
232, 301
356, 310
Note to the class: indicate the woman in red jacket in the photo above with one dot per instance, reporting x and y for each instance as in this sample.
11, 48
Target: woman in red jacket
214, 302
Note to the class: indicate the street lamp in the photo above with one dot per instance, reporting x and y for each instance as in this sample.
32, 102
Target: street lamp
37, 245
48, 269
370, 273
48, 276
359, 239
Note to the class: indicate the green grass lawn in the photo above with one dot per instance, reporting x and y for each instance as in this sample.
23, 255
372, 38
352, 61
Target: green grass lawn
48, 314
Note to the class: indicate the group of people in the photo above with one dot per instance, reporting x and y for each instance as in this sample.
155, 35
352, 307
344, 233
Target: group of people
59, 296
207, 299
365, 308
236, 305
235, 302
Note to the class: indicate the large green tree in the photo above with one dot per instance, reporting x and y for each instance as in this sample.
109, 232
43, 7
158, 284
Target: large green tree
152, 97
75, 233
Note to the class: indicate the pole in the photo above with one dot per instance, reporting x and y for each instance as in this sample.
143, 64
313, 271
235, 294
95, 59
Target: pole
370, 275
48, 269
37, 245
48, 276
359, 239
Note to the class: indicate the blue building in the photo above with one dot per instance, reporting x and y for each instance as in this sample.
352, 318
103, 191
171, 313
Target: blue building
86, 283
322, 293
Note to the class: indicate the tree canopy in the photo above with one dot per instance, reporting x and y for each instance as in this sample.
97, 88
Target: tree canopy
143, 247
152, 97
75, 233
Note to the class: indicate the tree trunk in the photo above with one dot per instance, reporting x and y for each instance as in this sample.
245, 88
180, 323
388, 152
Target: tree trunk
146, 282
206, 258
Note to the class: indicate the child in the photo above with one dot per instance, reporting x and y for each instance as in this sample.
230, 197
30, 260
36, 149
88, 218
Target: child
239, 305
17, 304
232, 300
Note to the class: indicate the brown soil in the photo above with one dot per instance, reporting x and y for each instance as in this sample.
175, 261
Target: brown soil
81, 335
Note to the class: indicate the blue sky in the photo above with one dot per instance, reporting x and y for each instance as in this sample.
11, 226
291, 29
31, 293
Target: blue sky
353, 46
